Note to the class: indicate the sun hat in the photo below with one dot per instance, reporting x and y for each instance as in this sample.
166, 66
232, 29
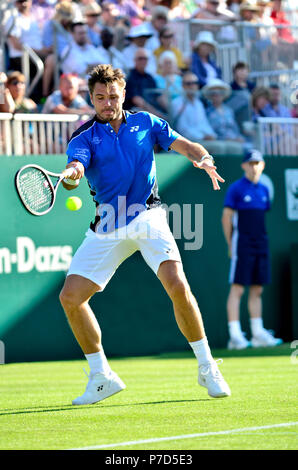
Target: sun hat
205, 37
216, 83
139, 31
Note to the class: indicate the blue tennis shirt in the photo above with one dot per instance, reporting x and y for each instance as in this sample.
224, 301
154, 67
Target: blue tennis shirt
120, 167
250, 201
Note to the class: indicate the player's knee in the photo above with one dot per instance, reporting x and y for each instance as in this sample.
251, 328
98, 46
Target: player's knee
178, 289
237, 290
257, 291
68, 300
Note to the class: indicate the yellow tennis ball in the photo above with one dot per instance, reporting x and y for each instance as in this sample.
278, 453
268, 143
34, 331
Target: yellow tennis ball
73, 203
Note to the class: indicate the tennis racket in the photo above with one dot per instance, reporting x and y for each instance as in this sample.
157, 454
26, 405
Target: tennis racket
37, 187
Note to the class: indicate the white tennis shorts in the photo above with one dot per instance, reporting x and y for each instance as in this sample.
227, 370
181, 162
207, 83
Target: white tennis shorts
99, 255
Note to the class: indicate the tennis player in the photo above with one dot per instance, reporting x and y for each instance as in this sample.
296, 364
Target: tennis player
114, 150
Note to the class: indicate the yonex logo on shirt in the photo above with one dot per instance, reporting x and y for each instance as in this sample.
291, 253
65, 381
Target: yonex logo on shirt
134, 128
247, 198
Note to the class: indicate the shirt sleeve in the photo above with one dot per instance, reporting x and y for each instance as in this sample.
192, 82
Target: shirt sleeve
162, 133
79, 149
231, 198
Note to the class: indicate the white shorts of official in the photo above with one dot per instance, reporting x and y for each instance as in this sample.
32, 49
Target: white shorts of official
100, 254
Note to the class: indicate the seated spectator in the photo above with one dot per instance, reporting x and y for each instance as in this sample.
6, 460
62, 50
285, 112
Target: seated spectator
108, 54
240, 99
220, 116
240, 78
141, 87
169, 79
56, 37
188, 114
15, 100
67, 99
234, 6
131, 10
279, 18
42, 11
159, 19
248, 13
274, 108
138, 37
82, 56
109, 14
260, 98
21, 30
216, 10
91, 13
201, 63
166, 38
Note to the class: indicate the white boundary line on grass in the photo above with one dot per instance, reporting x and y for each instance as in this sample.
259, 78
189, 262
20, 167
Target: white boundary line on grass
186, 436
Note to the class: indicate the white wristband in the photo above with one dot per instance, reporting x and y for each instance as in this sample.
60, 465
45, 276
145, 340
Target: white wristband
71, 182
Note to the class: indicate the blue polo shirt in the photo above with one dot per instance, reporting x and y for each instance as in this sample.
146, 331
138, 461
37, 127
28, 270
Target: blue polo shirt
120, 167
251, 202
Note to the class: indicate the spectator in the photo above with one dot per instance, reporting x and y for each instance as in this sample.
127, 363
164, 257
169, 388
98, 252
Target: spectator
82, 56
201, 63
274, 108
220, 116
67, 99
240, 99
240, 78
57, 38
158, 21
138, 37
188, 113
234, 6
91, 14
248, 12
108, 54
213, 10
169, 79
176, 9
15, 100
166, 38
279, 18
21, 30
131, 10
260, 98
109, 14
41, 12
141, 90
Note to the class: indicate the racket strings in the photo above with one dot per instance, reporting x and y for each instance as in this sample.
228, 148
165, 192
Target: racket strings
35, 190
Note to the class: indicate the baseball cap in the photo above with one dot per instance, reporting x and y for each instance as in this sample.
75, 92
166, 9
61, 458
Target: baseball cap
253, 155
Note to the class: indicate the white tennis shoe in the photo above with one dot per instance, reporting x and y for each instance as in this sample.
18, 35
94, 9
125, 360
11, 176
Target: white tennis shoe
238, 343
99, 387
265, 338
211, 378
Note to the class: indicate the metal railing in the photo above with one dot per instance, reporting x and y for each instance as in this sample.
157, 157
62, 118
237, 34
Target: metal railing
278, 136
37, 134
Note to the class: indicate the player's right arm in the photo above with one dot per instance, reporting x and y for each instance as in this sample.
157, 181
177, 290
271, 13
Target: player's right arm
74, 181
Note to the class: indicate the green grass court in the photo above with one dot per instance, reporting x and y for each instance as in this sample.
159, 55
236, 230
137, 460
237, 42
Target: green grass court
162, 400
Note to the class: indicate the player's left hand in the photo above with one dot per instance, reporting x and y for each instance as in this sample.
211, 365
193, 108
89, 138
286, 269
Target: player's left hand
210, 168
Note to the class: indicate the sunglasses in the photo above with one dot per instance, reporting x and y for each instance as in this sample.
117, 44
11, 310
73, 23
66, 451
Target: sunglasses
16, 82
93, 15
168, 36
191, 83
142, 58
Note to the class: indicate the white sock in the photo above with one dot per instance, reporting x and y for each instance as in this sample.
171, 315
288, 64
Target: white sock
98, 363
202, 351
234, 329
256, 325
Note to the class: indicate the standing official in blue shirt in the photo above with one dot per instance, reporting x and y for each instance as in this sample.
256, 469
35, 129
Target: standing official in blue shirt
114, 150
246, 203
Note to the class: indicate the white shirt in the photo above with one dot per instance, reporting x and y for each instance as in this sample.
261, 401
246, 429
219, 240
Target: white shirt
191, 119
26, 30
129, 57
112, 56
79, 58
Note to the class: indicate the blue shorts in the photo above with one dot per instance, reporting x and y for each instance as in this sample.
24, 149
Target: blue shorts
250, 269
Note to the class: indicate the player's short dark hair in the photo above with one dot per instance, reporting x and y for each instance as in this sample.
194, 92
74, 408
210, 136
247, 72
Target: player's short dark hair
105, 74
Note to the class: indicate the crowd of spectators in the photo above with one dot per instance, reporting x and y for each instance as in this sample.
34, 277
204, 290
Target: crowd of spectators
138, 36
